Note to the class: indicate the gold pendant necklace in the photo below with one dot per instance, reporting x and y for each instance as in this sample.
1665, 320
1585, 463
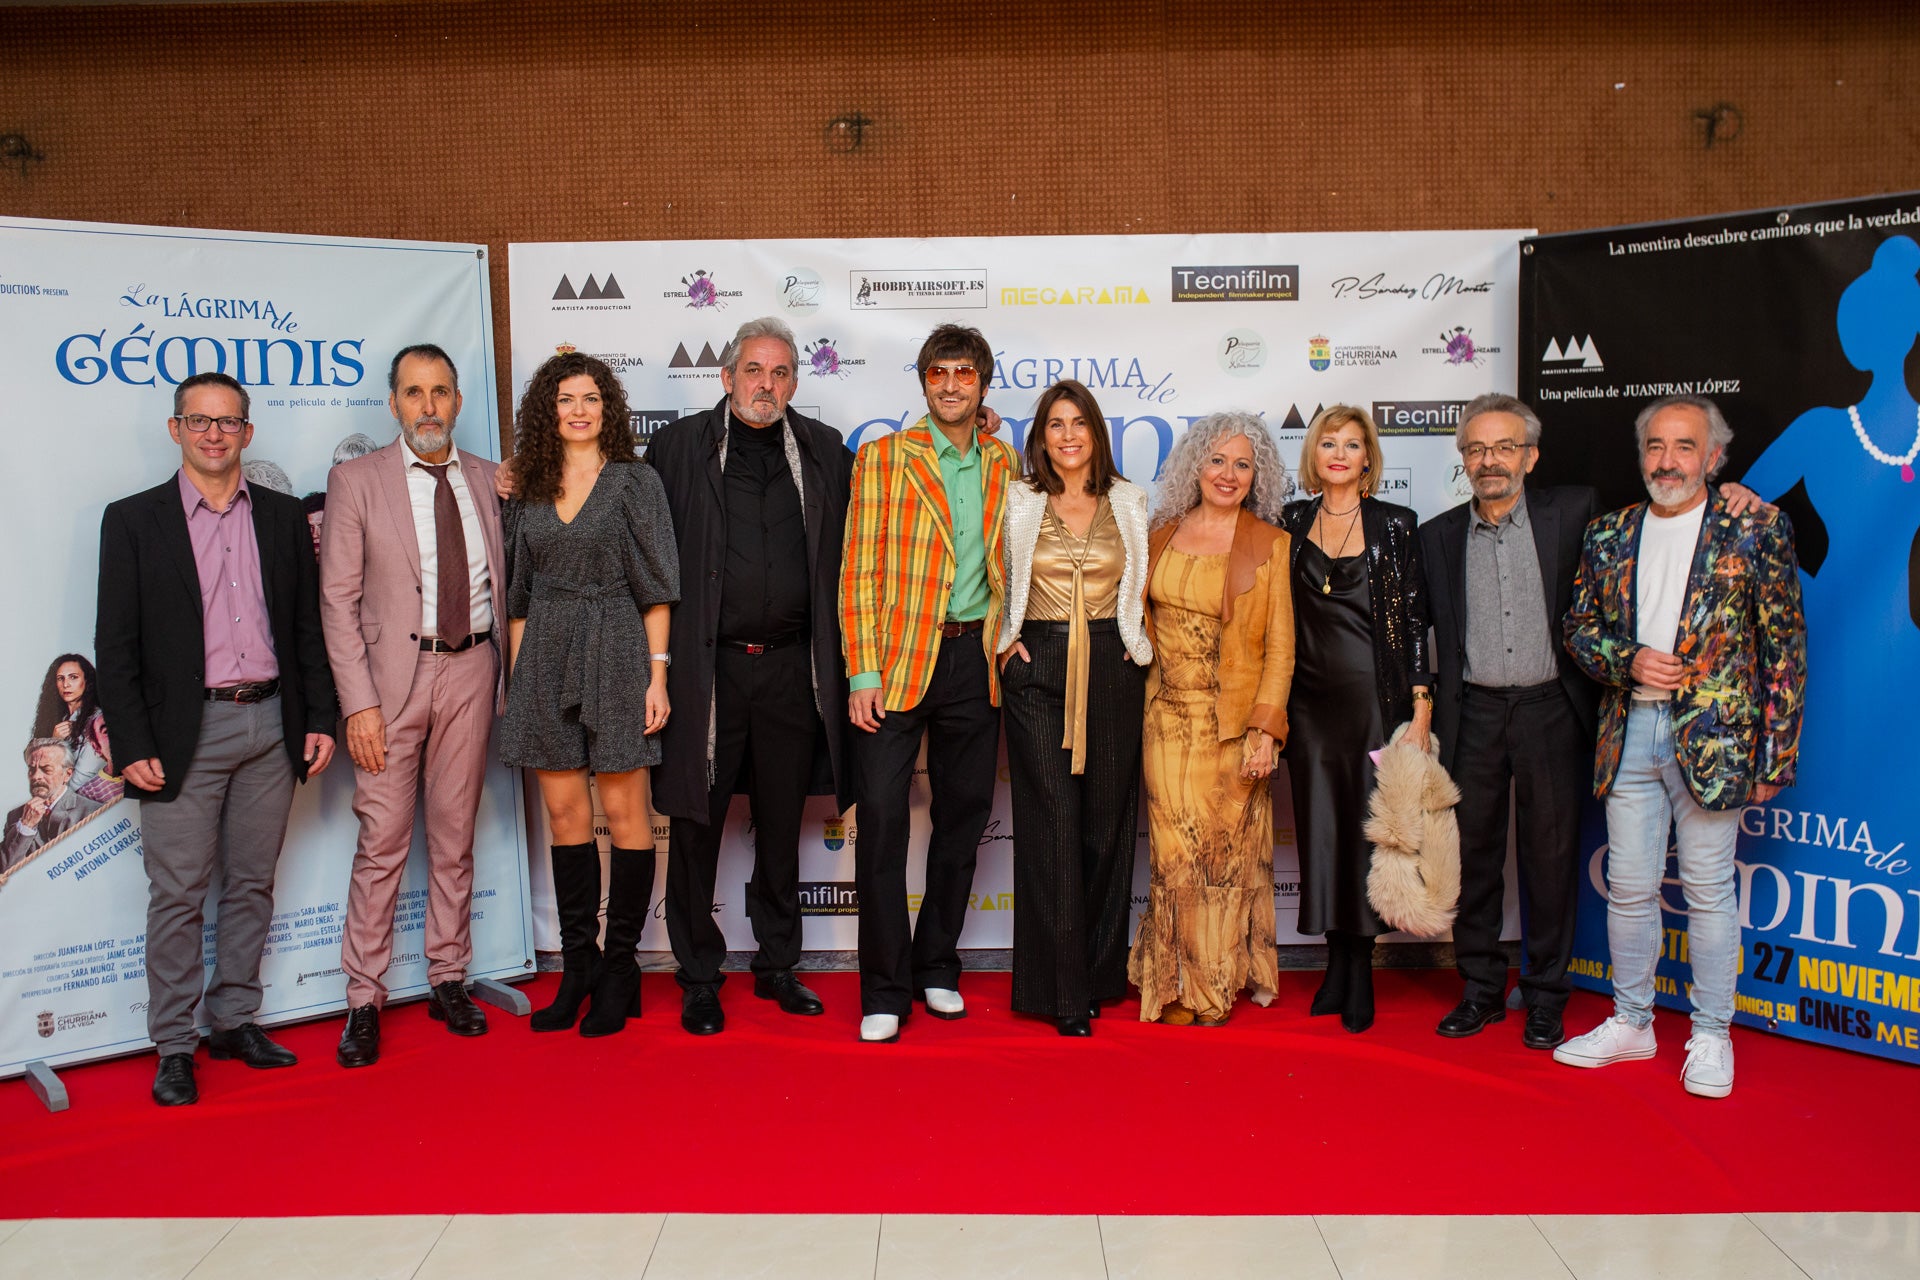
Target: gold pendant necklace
1326, 581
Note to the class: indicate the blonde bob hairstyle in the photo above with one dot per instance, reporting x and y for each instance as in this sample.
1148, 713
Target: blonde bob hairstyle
1328, 421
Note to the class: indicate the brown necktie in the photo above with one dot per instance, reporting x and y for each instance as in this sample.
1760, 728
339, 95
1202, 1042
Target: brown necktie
453, 617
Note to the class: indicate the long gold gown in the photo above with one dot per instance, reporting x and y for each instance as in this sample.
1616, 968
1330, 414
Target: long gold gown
1208, 929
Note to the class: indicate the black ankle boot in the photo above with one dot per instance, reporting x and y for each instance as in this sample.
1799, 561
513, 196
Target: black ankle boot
1357, 1016
576, 893
616, 996
1331, 998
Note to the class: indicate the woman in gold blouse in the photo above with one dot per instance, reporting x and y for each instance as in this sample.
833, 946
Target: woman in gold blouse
1221, 620
1073, 655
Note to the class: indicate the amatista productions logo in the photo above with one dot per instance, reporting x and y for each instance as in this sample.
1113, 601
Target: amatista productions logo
592, 291
940, 287
702, 291
1072, 295
684, 364
1459, 347
1417, 417
1578, 356
1295, 420
1272, 283
829, 898
824, 359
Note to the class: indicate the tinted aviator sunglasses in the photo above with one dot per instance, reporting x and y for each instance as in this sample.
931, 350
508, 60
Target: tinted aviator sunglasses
964, 375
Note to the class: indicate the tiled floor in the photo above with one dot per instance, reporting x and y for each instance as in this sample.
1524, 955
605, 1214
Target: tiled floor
1818, 1246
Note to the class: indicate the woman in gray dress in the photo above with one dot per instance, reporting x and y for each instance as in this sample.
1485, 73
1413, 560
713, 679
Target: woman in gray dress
592, 577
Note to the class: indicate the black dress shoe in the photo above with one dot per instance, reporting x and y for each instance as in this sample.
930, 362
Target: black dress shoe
360, 1042
1544, 1030
173, 1082
449, 1002
786, 988
249, 1043
1093, 1008
700, 1012
1075, 1026
1469, 1016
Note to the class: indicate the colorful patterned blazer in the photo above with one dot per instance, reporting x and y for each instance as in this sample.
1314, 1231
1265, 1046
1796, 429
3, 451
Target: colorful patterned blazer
896, 572
1742, 639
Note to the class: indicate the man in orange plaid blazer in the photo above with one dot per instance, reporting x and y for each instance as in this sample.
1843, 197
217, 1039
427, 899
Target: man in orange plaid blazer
921, 590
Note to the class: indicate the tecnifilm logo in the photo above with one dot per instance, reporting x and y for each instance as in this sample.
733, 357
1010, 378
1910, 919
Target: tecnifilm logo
1274, 282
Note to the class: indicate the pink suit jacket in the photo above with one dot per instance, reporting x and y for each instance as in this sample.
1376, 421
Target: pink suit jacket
370, 603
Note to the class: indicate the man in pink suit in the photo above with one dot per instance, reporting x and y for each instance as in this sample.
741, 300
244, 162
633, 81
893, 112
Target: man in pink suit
411, 568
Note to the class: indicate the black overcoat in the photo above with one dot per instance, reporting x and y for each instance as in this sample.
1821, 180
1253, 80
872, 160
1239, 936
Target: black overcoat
686, 453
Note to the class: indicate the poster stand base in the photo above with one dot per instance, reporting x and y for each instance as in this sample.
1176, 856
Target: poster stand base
500, 996
46, 1086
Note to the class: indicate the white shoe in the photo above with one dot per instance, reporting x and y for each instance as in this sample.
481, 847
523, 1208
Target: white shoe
1615, 1040
880, 1028
1709, 1069
942, 1003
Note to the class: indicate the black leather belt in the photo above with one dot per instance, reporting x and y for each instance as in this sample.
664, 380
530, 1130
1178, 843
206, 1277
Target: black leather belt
778, 642
432, 644
251, 691
952, 629
1050, 628
1517, 693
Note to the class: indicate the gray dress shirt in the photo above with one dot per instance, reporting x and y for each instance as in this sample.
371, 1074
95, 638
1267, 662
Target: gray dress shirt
1509, 642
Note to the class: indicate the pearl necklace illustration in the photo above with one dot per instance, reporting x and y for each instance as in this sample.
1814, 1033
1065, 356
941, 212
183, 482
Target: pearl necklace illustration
1904, 461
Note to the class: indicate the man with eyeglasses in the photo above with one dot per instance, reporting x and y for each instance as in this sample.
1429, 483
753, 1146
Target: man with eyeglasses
411, 563
921, 590
213, 675
1513, 712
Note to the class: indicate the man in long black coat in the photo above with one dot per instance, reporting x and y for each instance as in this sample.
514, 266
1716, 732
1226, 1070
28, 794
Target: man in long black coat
759, 500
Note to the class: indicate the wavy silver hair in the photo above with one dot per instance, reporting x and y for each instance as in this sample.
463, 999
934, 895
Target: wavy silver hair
1179, 489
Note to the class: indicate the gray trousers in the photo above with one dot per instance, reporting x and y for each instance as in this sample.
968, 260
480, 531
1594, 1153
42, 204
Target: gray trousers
230, 816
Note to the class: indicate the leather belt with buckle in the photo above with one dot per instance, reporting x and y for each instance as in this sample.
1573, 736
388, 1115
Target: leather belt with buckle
251, 691
952, 629
432, 644
778, 642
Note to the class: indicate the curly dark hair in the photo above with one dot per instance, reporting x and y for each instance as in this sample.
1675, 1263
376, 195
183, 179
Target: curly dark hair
537, 448
53, 708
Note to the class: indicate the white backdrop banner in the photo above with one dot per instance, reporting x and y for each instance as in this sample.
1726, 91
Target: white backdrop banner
96, 325
1163, 329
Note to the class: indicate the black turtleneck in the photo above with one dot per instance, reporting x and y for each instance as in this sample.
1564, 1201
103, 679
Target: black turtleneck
765, 594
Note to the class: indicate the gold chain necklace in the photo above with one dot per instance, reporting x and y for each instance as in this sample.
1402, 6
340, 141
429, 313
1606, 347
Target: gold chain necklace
1326, 582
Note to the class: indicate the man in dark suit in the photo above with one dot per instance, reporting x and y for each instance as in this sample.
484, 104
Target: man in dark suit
759, 500
213, 673
52, 805
1511, 710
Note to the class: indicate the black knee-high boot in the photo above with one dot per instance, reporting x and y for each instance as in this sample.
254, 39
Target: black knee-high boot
576, 893
616, 996
1357, 1016
1331, 998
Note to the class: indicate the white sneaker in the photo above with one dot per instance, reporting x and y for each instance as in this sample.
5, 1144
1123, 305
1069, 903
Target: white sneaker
1709, 1069
880, 1028
942, 1003
1615, 1040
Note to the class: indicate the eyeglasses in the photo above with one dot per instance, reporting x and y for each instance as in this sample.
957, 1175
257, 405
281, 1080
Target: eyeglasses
964, 375
1505, 450
198, 422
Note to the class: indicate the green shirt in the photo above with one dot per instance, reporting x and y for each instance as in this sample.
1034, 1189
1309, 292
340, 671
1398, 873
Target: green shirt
966, 511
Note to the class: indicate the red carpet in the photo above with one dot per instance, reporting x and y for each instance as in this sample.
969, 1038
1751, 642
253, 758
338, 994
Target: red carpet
1274, 1113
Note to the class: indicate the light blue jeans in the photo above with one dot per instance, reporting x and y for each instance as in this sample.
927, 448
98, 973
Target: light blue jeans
1648, 805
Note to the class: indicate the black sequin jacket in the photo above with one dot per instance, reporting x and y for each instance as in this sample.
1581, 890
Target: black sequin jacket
1397, 593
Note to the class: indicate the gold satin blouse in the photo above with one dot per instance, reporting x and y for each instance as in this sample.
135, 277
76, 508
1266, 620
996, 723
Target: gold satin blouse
1076, 580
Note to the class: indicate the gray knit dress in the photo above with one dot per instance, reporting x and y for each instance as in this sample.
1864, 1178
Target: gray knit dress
577, 694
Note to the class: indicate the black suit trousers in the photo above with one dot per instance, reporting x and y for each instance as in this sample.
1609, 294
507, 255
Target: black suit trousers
1531, 740
765, 720
962, 728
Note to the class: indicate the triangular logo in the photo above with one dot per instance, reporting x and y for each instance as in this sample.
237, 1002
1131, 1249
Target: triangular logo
565, 291
1140, 296
1553, 350
611, 289
709, 358
681, 360
1593, 356
590, 292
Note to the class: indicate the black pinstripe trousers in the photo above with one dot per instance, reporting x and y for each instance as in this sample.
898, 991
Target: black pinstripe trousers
1073, 836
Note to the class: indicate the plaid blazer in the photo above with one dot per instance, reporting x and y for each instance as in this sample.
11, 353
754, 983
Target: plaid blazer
896, 573
1743, 640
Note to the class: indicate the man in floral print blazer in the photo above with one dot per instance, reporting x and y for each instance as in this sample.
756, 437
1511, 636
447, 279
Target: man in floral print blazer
1690, 617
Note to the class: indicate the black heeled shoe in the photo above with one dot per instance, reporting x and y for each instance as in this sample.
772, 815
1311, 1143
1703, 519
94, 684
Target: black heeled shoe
616, 996
576, 891
1357, 1015
1074, 1026
1331, 998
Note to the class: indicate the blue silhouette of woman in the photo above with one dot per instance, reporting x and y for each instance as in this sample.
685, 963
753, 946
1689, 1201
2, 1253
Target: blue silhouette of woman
1863, 647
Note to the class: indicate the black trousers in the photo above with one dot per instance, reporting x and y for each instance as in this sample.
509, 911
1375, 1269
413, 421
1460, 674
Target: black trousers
1073, 836
1531, 739
766, 720
962, 729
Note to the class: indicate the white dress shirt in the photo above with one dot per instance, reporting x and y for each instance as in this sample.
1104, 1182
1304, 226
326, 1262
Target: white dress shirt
420, 489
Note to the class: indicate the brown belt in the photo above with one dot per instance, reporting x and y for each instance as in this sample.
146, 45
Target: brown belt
431, 644
251, 691
952, 629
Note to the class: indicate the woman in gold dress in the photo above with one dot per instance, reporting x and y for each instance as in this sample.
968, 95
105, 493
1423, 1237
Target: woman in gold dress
1220, 613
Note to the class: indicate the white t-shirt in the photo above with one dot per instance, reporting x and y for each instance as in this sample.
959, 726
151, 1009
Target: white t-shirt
1660, 582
